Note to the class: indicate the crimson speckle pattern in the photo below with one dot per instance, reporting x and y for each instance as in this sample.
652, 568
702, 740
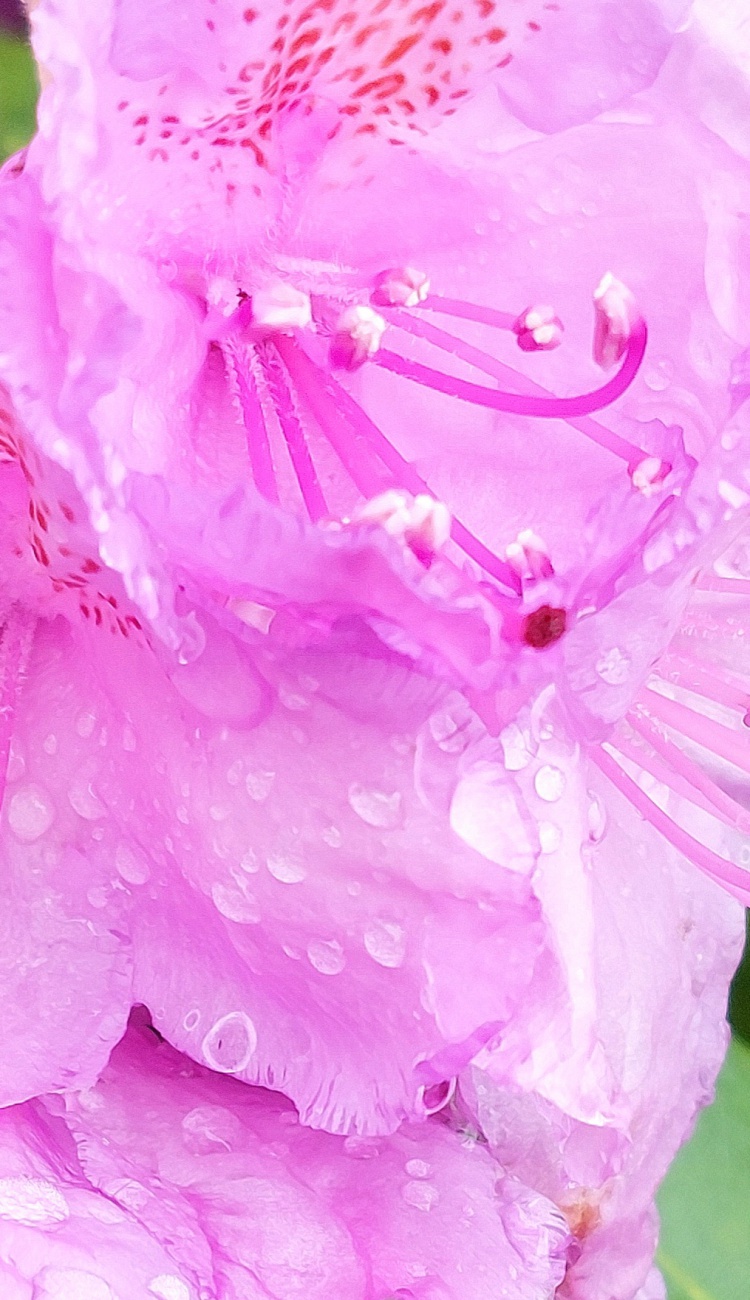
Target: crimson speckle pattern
392, 68
53, 539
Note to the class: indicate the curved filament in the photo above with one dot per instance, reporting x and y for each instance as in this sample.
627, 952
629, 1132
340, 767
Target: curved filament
733, 878
350, 431
522, 403
481, 360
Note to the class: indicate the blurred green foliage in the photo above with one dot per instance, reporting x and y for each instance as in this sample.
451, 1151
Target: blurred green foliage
17, 94
705, 1201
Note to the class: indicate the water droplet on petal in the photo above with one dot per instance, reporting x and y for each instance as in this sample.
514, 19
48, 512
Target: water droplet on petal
169, 1287
234, 773
487, 814
286, 868
207, 1129
192, 1020
236, 903
421, 1195
85, 723
550, 837
132, 867
16, 764
258, 785
614, 666
437, 1095
129, 742
385, 942
326, 955
33, 1201
418, 1168
549, 783
85, 802
66, 1283
362, 1148
375, 807
49, 744
517, 752
30, 813
230, 1043
332, 837
597, 818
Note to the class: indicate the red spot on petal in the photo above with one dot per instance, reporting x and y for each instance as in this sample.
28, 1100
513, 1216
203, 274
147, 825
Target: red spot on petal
545, 626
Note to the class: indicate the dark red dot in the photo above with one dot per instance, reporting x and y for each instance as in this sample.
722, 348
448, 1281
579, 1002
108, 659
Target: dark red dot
545, 626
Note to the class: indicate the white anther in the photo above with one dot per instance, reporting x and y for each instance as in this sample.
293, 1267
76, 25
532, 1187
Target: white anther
616, 314
224, 295
648, 475
281, 307
356, 337
423, 523
401, 286
529, 556
538, 329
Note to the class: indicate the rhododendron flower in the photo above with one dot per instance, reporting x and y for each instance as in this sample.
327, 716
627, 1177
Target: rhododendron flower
372, 707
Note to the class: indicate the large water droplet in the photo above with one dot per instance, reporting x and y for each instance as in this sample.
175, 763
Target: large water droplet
326, 955
169, 1287
614, 666
85, 723
30, 813
286, 867
488, 816
550, 837
71, 1284
85, 801
597, 818
549, 783
230, 1043
418, 1168
517, 747
33, 1201
375, 806
131, 866
211, 1128
421, 1195
385, 942
236, 903
258, 785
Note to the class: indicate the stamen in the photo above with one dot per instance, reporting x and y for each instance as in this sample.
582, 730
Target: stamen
710, 735
356, 337
259, 449
480, 360
294, 434
712, 686
734, 878
281, 307
401, 286
616, 317
678, 769
648, 475
728, 586
538, 329
529, 557
350, 431
517, 403
421, 522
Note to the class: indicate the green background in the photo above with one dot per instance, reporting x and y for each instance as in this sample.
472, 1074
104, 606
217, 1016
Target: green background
705, 1201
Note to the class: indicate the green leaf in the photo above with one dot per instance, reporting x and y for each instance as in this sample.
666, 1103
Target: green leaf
705, 1201
18, 92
